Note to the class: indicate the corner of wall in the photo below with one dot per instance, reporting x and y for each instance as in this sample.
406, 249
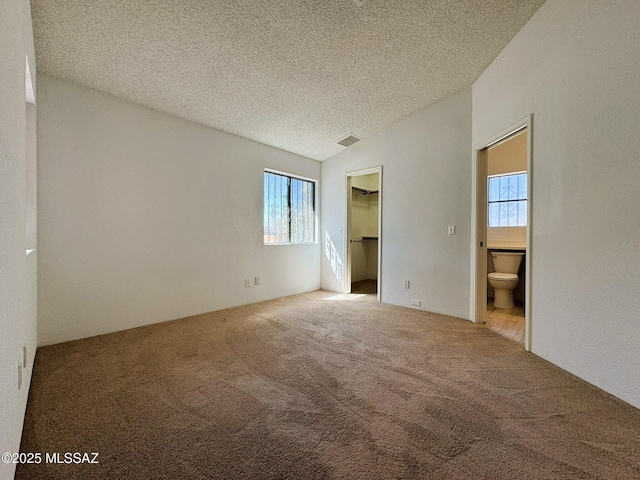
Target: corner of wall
18, 284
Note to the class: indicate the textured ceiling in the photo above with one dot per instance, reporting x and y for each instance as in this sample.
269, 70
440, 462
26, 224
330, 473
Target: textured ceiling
298, 75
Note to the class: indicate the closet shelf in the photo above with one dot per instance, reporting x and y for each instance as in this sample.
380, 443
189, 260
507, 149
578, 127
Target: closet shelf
364, 191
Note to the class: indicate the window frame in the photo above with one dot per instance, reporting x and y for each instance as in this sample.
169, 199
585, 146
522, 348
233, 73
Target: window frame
290, 177
490, 202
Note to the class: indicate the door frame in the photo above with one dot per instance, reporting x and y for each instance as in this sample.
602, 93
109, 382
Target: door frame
478, 308
347, 269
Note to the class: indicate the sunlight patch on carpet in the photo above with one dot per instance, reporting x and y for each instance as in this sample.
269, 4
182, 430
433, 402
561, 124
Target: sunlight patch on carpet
346, 296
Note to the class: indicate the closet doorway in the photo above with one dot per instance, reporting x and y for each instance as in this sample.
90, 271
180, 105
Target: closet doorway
364, 231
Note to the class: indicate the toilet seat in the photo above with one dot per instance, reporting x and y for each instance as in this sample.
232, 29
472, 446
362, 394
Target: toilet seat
503, 276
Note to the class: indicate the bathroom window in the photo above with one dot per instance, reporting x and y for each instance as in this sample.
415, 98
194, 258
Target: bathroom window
508, 200
289, 209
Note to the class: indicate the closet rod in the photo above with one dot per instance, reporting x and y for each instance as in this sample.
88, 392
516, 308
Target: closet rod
364, 190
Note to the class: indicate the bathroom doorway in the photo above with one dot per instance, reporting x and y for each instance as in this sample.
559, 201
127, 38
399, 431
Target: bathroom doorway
502, 211
364, 231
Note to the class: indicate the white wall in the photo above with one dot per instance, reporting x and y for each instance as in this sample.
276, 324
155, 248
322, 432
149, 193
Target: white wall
17, 270
426, 180
575, 67
145, 217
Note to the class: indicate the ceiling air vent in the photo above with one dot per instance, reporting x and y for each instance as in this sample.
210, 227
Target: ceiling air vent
349, 140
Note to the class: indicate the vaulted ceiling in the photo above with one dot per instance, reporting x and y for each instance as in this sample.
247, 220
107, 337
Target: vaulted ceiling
297, 75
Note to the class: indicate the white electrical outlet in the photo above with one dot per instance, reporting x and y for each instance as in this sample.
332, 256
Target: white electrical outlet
452, 230
257, 280
407, 284
416, 303
247, 282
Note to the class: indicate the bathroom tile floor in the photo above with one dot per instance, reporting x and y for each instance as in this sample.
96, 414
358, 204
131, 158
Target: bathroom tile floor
508, 322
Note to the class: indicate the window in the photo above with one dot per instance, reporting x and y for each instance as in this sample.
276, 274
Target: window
508, 200
289, 209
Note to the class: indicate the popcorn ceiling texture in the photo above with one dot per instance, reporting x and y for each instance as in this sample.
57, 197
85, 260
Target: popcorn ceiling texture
297, 75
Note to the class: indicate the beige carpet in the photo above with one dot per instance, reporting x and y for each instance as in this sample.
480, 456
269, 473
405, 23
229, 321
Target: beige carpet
320, 386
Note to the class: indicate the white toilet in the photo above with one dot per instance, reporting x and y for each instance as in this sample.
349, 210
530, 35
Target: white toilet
505, 278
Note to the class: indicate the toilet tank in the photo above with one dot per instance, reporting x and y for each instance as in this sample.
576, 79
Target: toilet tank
507, 262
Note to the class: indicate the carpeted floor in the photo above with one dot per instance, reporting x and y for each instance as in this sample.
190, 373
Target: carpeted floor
320, 386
